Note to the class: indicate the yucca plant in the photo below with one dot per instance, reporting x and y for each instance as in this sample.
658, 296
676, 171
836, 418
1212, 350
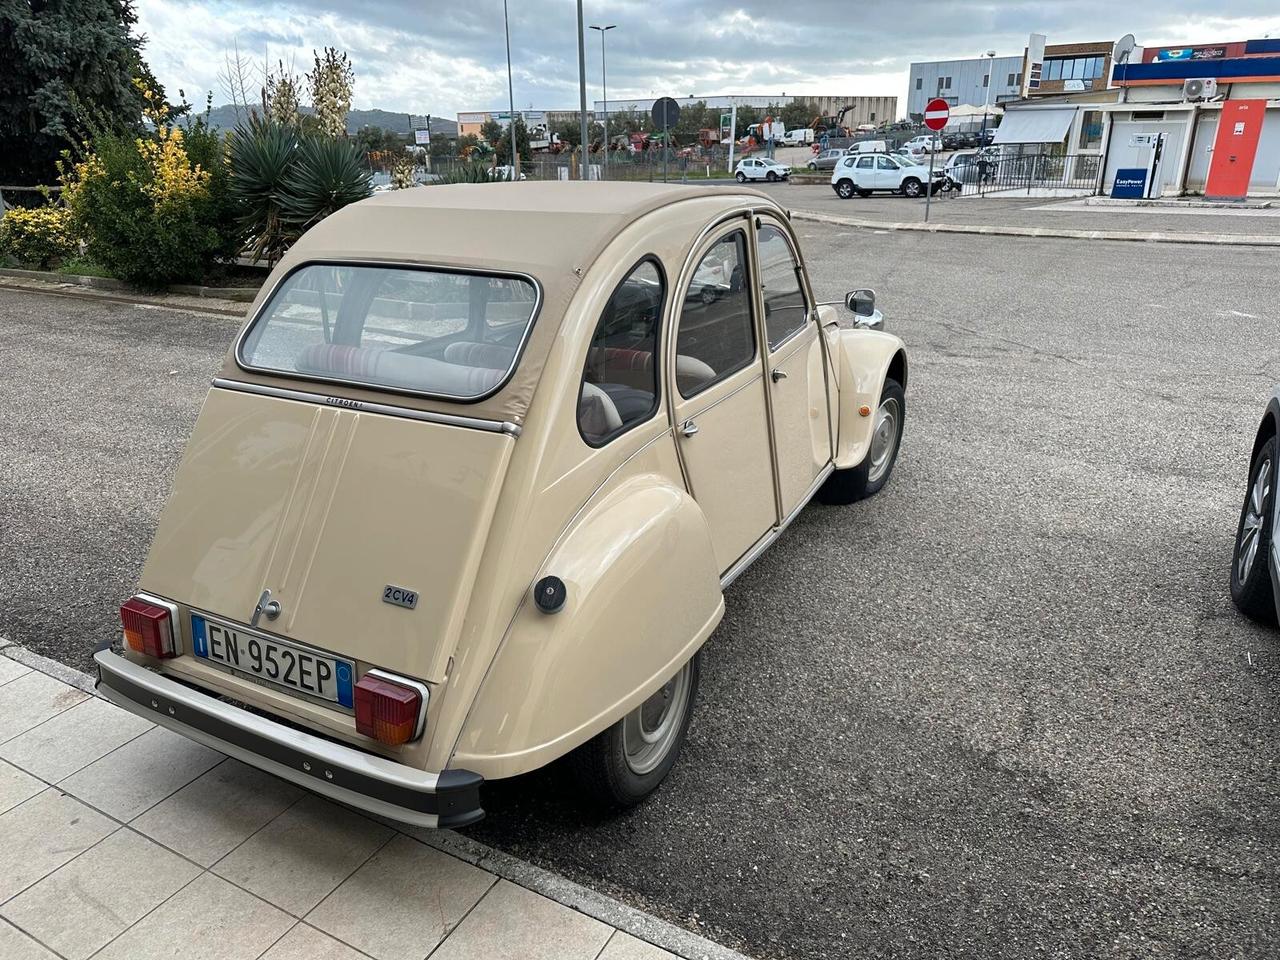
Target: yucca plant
327, 175
468, 173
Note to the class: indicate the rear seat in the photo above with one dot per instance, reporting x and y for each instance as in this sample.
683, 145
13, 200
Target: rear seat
389, 368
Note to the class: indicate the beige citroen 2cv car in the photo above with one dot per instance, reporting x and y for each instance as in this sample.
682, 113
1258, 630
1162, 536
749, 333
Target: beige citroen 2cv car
468, 491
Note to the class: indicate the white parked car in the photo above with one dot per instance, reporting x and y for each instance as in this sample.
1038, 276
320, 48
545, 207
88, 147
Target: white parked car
863, 174
760, 168
924, 143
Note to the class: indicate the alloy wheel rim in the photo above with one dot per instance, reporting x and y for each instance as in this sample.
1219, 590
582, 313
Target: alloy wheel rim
1251, 525
884, 437
650, 730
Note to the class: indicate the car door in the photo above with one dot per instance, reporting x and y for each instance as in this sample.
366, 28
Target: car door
864, 173
794, 361
888, 174
719, 405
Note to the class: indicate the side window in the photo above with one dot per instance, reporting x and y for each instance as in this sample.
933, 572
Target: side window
716, 336
866, 163
785, 311
887, 164
620, 381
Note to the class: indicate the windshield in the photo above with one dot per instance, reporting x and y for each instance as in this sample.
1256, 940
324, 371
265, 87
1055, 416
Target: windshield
454, 335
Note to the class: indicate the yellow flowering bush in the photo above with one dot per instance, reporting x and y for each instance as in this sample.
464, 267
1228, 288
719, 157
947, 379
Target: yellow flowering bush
37, 237
154, 210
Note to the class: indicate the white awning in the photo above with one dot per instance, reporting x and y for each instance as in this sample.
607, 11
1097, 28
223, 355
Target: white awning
1035, 126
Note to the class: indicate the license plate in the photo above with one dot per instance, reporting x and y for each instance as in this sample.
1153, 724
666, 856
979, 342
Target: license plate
274, 661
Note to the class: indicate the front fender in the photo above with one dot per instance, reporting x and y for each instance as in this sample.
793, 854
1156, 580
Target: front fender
643, 594
862, 359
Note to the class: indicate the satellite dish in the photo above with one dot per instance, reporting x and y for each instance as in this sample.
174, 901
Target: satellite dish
1124, 48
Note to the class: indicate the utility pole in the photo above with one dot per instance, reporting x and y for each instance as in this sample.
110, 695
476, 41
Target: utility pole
733, 130
582, 91
511, 102
604, 85
986, 101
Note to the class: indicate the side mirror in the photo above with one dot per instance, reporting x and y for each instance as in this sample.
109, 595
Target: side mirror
861, 303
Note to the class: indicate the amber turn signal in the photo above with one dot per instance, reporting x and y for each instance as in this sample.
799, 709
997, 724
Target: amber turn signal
147, 627
387, 711
864, 410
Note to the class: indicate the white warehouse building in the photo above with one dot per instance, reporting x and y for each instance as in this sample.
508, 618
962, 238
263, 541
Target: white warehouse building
964, 81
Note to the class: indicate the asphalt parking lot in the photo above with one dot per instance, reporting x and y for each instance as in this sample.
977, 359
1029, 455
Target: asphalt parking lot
1003, 709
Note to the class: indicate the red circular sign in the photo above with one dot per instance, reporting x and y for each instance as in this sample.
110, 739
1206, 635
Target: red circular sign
936, 113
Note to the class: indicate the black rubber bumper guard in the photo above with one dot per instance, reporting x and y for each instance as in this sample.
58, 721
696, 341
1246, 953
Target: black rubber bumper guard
370, 782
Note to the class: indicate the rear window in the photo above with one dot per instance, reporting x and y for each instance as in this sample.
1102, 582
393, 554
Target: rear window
437, 332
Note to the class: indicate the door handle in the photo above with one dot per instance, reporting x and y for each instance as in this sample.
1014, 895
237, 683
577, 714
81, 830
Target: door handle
688, 428
778, 375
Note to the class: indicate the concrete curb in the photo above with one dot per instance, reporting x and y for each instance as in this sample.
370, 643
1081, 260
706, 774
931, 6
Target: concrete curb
239, 294
606, 909
61, 288
1209, 239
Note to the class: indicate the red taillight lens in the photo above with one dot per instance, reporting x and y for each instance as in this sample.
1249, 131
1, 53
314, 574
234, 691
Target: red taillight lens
147, 628
385, 710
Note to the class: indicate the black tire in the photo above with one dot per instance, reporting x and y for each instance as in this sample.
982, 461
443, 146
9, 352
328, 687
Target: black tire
771, 177
1251, 588
864, 194
868, 478
911, 187
741, 177
601, 766
844, 189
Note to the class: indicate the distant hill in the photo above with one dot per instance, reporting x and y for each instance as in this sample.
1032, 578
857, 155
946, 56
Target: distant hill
224, 118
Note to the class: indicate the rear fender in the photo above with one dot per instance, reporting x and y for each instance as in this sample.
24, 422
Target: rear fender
863, 359
643, 594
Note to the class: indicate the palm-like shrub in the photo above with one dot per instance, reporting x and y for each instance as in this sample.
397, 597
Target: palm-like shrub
326, 176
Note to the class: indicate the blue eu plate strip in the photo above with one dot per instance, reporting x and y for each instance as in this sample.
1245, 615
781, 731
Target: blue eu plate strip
199, 636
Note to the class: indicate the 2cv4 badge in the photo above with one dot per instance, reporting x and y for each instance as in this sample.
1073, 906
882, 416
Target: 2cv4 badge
400, 596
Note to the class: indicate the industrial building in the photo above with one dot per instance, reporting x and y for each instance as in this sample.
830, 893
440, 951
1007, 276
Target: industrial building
470, 121
976, 82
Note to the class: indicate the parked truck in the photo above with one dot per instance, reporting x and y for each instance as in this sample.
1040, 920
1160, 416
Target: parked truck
800, 136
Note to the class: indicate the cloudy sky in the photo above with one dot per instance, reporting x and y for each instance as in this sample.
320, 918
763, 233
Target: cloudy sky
432, 56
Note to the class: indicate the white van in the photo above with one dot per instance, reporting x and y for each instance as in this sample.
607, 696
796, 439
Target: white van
799, 136
870, 146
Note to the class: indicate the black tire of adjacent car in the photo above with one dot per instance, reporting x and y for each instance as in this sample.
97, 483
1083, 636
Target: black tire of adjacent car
853, 484
771, 176
911, 187
844, 189
600, 765
741, 177
1254, 595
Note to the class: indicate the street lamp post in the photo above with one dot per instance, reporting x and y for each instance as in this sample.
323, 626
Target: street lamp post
604, 86
986, 101
582, 91
511, 101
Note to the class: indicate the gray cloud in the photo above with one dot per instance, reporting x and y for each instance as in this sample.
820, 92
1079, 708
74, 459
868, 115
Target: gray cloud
443, 58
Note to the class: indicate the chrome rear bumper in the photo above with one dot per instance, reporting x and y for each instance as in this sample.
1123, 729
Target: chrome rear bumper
450, 798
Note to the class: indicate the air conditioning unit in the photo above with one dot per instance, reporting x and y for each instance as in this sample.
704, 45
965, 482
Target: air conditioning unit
1205, 88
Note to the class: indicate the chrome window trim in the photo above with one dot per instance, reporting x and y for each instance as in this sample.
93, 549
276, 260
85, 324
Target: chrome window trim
364, 406
403, 265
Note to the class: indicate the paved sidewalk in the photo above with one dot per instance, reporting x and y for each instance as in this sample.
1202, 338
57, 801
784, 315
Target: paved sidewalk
123, 841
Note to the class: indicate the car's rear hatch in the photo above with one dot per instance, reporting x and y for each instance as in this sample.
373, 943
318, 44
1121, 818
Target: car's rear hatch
326, 507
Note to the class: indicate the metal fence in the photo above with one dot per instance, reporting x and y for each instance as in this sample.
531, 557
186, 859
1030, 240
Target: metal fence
1031, 172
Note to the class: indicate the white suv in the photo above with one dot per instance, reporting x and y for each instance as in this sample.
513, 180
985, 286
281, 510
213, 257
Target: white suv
864, 173
761, 168
924, 143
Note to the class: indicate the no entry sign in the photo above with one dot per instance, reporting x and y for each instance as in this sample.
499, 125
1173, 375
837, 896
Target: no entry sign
936, 114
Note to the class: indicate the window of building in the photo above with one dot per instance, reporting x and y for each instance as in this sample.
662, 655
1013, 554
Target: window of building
717, 336
947, 86
919, 83
1012, 82
986, 79
620, 381
785, 310
1091, 130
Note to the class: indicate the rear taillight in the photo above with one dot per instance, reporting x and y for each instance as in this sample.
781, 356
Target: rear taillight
387, 710
148, 628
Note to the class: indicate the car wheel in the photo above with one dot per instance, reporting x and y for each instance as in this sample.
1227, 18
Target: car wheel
844, 189
811, 165
868, 477
1251, 560
771, 176
625, 763
911, 187
742, 177
708, 295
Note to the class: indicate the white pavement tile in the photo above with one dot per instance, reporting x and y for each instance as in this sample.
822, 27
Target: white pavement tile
11, 669
141, 773
623, 946
42, 834
511, 923
16, 945
301, 856
31, 699
16, 786
81, 906
212, 815
209, 920
403, 901
73, 739
307, 943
